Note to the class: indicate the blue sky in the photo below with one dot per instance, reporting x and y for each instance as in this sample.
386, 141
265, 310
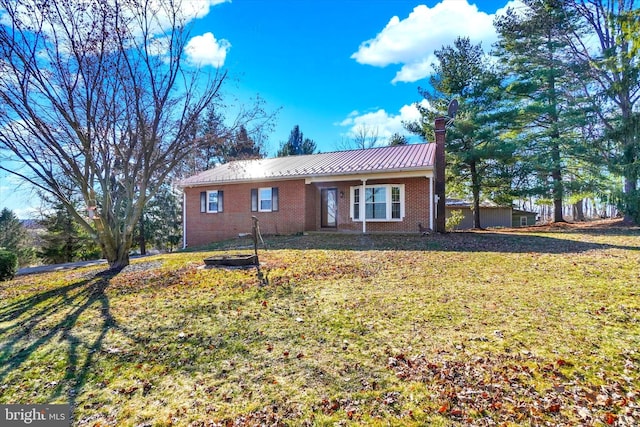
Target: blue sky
330, 66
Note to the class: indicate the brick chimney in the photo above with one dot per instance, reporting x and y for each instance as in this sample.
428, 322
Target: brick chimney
439, 166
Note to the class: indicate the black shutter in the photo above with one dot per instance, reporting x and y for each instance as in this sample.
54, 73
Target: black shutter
220, 200
254, 200
203, 201
274, 199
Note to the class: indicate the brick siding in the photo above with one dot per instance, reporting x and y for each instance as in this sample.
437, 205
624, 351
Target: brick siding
299, 210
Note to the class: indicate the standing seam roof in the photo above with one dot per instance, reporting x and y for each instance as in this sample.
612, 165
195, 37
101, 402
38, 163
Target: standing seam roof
372, 160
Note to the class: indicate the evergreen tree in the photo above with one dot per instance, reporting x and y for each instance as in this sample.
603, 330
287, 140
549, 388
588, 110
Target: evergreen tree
14, 238
11, 231
474, 148
162, 221
242, 147
297, 144
544, 86
397, 139
65, 240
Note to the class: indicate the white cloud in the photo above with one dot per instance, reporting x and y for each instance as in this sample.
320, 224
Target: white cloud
188, 11
380, 122
207, 50
160, 20
412, 41
199, 8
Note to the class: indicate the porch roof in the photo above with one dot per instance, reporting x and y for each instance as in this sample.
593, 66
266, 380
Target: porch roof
400, 158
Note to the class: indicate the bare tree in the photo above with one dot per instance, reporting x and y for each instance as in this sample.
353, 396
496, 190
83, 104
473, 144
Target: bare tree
98, 92
365, 137
362, 137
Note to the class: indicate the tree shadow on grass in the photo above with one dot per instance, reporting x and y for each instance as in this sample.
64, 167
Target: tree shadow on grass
49, 318
484, 241
521, 243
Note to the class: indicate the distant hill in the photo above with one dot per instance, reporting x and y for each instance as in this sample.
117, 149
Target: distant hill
31, 224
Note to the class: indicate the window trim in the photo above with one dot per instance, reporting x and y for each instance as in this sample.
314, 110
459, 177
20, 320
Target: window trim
260, 199
256, 205
388, 201
526, 221
219, 203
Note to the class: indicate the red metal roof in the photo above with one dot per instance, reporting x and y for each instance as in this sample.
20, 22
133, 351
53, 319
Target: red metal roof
399, 158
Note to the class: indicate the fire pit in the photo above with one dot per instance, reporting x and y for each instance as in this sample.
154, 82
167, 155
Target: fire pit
238, 260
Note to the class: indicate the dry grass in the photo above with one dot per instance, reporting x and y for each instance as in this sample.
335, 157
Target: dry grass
534, 327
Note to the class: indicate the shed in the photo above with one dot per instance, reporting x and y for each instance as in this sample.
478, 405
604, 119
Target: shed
522, 218
491, 214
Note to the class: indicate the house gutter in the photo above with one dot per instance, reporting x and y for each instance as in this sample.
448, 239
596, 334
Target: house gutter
431, 200
184, 220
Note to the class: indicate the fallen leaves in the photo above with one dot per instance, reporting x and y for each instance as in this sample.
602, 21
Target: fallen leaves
502, 388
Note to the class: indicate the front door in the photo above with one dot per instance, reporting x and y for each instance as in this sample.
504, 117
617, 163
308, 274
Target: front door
329, 208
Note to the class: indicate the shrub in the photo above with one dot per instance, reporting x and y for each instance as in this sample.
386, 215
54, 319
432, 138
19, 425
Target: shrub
8, 265
454, 220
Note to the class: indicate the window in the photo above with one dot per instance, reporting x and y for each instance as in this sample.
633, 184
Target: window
265, 195
375, 203
395, 203
264, 199
381, 202
211, 201
523, 221
356, 203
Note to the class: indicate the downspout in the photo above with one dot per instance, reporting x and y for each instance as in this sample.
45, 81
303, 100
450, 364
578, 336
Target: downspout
431, 189
363, 210
184, 219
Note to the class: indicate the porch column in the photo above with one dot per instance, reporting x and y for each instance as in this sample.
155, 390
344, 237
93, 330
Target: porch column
363, 210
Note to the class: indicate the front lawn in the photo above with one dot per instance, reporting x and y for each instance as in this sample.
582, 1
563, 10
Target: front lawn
534, 327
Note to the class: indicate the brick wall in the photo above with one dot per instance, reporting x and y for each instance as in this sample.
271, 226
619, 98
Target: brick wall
204, 228
416, 196
299, 210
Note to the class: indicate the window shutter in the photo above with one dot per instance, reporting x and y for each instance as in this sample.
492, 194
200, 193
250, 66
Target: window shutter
203, 201
220, 200
254, 200
274, 199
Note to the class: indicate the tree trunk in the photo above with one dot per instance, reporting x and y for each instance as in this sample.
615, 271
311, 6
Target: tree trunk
475, 188
578, 211
118, 258
115, 248
558, 187
143, 241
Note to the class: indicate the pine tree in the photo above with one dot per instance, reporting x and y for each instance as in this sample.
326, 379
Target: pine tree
65, 240
474, 149
397, 139
545, 90
297, 144
162, 221
11, 231
15, 238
